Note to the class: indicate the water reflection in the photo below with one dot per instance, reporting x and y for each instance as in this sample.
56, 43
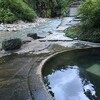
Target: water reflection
76, 77
67, 84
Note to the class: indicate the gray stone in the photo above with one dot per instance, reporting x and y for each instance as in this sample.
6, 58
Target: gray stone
32, 35
27, 40
11, 44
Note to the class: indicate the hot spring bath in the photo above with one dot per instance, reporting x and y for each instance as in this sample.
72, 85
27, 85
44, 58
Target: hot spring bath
73, 75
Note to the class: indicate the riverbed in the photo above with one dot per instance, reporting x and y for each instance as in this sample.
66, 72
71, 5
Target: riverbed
41, 28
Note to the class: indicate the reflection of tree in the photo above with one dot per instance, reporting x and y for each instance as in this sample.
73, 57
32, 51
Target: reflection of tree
52, 93
86, 81
47, 84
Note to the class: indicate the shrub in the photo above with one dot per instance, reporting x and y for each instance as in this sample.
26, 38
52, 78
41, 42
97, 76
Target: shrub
92, 35
12, 10
6, 16
89, 13
22, 10
89, 28
74, 31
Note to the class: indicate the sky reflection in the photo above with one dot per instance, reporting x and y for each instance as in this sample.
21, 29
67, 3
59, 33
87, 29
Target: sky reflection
68, 85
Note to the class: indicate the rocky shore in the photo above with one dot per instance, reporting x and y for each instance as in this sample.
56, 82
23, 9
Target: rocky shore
53, 41
20, 25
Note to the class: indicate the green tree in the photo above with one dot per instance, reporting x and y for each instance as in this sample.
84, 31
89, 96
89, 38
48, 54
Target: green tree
90, 13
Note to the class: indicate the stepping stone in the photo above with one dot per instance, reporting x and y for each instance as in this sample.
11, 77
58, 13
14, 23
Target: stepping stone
56, 36
62, 28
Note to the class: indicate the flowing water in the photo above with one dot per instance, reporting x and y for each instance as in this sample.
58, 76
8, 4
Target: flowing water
41, 29
74, 75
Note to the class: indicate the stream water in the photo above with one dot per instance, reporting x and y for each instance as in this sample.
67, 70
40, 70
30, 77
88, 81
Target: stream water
74, 75
41, 29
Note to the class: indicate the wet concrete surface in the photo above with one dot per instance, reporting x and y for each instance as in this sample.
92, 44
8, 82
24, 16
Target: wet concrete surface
18, 78
13, 75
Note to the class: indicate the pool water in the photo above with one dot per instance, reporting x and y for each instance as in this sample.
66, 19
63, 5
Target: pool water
74, 75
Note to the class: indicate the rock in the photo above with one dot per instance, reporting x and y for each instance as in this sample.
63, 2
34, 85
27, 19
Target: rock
11, 44
75, 38
27, 40
32, 35
50, 32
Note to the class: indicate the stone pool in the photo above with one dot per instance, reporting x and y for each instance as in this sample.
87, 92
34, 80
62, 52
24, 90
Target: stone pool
73, 75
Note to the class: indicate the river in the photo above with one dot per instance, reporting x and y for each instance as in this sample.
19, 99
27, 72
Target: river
42, 30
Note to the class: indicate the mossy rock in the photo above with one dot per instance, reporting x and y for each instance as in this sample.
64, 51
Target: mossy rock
11, 44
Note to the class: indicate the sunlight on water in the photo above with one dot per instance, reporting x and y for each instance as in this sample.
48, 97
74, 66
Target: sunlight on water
95, 69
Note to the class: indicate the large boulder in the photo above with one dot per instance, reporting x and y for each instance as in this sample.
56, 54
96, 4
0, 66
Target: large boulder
11, 44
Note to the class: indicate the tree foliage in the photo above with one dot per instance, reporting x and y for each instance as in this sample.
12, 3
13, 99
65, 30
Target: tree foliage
26, 10
12, 10
89, 28
49, 8
90, 13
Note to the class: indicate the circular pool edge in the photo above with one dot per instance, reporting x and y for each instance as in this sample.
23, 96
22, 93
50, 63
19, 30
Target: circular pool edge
41, 66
